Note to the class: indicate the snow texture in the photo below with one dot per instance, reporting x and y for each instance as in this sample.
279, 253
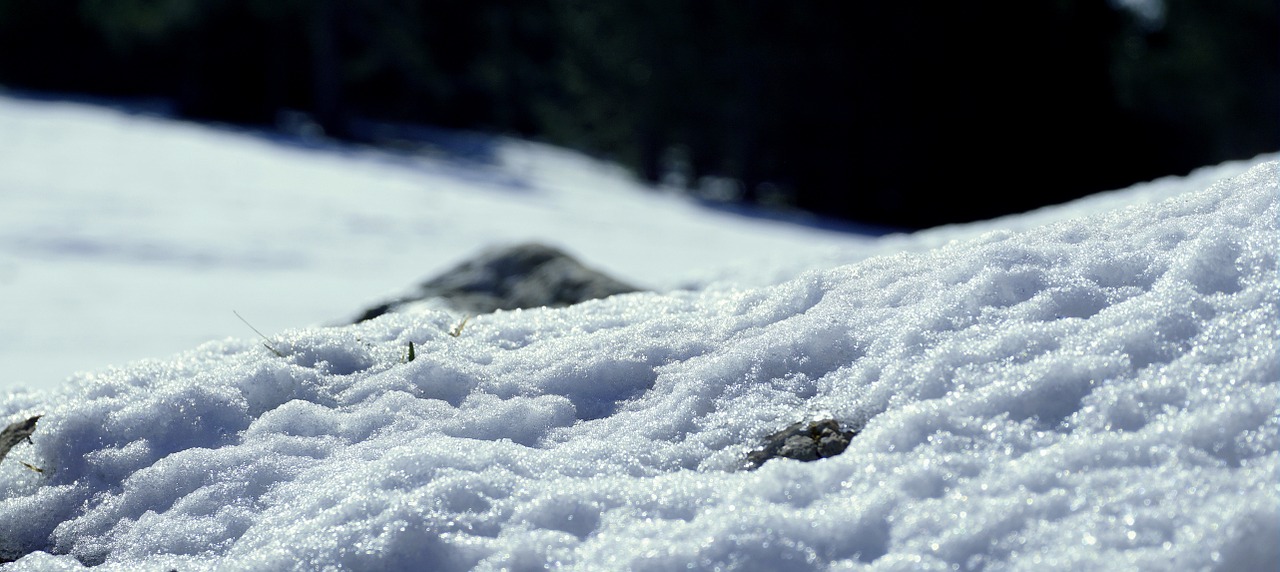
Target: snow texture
1098, 392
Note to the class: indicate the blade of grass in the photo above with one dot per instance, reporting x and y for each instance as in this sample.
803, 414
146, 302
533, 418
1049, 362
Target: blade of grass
265, 340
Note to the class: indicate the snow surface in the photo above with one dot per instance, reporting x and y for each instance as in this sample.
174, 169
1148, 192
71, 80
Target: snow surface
1096, 389
126, 236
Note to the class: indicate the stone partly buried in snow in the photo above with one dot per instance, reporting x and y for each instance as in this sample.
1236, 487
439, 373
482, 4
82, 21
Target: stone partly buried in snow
527, 275
15, 433
804, 441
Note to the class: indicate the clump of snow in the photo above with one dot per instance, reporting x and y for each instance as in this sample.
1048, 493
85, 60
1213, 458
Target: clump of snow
1098, 392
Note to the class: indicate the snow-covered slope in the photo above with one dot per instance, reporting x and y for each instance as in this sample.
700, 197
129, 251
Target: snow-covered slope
1097, 392
126, 236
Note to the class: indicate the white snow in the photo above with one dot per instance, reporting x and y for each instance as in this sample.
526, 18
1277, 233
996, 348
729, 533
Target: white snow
1087, 387
126, 237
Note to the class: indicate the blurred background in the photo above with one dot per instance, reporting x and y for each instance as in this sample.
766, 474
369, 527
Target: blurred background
896, 113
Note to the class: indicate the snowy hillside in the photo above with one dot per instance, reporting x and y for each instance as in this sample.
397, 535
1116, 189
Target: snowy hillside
126, 237
1093, 387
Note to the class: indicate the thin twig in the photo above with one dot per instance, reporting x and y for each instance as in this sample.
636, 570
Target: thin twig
457, 330
266, 341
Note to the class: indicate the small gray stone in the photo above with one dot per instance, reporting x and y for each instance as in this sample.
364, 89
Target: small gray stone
526, 275
800, 448
804, 441
15, 433
832, 444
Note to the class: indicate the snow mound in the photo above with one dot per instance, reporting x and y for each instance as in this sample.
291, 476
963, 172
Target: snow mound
1094, 393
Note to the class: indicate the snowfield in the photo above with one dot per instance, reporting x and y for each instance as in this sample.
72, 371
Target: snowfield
128, 236
1088, 387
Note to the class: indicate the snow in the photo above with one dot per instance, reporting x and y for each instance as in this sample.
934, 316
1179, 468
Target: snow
128, 236
1087, 387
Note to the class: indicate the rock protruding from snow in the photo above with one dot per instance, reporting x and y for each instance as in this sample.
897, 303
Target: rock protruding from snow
529, 275
804, 441
15, 433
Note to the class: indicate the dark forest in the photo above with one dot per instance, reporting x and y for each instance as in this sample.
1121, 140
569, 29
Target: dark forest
903, 114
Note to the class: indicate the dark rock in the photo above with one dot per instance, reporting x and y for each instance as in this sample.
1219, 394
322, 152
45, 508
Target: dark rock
832, 444
375, 311
527, 275
804, 441
800, 448
15, 433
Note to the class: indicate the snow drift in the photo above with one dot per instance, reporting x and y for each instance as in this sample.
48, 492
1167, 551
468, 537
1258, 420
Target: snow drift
1094, 393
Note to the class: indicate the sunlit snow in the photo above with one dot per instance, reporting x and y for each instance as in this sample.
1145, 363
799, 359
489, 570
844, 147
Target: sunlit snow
127, 237
1087, 387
